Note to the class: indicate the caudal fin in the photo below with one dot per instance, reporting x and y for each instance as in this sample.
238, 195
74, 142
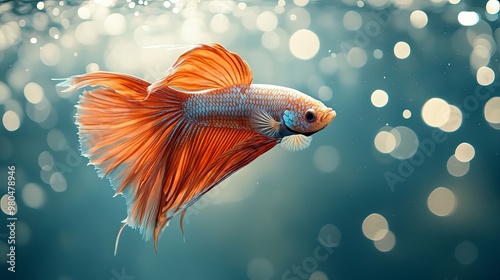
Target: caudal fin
122, 130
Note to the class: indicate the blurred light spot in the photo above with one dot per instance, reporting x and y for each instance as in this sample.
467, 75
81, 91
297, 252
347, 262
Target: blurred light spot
326, 158
5, 93
360, 4
39, 112
219, 23
352, 20
385, 142
436, 112
270, 40
301, 3
418, 19
454, 2
325, 93
33, 93
356, 57
86, 33
318, 275
402, 50
115, 24
406, 114
40, 5
387, 243
406, 142
375, 227
56, 140
467, 18
455, 120
466, 252
84, 12
54, 32
4, 204
379, 98
260, 269
456, 167
299, 19
11, 121
378, 54
50, 54
33, 40
304, 44
329, 235
479, 57
6, 148
378, 3
58, 182
33, 195
485, 76
267, 21
464, 152
492, 110
441, 202
92, 67
492, 7
45, 161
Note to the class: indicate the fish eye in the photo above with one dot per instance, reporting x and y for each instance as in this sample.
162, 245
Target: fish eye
310, 115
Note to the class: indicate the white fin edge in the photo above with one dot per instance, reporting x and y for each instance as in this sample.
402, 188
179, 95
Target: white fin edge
295, 142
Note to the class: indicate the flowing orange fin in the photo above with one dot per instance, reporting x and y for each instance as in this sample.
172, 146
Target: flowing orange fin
211, 155
206, 67
124, 130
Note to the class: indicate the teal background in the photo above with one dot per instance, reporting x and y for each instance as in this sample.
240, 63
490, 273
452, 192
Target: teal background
288, 215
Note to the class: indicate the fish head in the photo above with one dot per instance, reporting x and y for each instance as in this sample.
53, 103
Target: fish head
307, 116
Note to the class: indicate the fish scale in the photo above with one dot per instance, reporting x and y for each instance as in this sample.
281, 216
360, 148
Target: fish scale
232, 107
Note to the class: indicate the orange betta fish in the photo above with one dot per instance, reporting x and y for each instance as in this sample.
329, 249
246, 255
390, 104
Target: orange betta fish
164, 145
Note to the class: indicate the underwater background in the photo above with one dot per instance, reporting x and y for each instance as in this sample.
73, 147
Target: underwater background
404, 184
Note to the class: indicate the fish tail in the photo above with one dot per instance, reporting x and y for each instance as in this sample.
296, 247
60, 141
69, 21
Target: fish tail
125, 131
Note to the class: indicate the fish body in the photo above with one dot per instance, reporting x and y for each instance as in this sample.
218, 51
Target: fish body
164, 145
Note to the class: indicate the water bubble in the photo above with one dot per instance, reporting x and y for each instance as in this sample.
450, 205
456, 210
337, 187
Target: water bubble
485, 76
260, 269
326, 158
352, 20
468, 18
318, 275
387, 243
267, 21
466, 252
304, 44
11, 121
492, 110
385, 142
455, 120
418, 19
50, 54
219, 23
441, 202
375, 227
379, 98
406, 114
406, 142
33, 195
402, 50
436, 112
33, 93
457, 168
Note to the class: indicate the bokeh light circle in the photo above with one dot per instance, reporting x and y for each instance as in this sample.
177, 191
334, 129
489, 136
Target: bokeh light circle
387, 243
455, 120
492, 110
304, 44
441, 202
379, 98
436, 112
457, 168
385, 142
464, 152
466, 252
485, 76
375, 227
260, 269
402, 50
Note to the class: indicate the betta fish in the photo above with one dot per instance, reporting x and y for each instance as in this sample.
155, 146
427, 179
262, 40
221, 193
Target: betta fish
164, 145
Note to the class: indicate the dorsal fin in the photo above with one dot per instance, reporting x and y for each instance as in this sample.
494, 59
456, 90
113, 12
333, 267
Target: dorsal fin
206, 67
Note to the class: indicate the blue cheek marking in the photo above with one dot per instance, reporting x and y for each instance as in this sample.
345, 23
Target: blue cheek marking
289, 118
